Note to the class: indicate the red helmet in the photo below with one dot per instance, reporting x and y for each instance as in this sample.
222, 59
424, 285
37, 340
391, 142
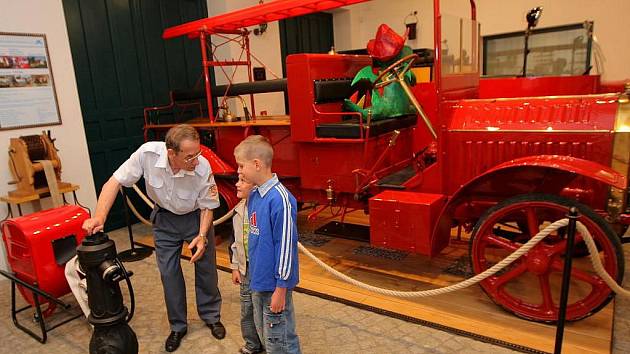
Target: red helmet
386, 45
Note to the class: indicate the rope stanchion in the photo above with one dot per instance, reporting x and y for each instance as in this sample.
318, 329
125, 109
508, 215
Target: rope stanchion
566, 278
134, 253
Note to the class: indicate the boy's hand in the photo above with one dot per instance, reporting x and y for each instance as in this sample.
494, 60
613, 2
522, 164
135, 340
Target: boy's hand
278, 300
236, 277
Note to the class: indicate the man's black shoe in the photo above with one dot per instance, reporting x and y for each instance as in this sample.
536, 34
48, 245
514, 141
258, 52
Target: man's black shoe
173, 340
217, 329
244, 350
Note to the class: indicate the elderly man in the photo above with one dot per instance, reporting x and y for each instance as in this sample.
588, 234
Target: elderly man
180, 182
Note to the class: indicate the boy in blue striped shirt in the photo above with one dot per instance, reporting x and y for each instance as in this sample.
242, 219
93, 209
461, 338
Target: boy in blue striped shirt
272, 246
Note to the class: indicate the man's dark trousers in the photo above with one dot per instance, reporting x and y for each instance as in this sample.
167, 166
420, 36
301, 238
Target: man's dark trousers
171, 231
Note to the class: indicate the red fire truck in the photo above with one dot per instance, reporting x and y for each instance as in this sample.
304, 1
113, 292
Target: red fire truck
500, 158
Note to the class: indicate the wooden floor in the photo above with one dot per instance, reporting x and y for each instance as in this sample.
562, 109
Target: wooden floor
468, 310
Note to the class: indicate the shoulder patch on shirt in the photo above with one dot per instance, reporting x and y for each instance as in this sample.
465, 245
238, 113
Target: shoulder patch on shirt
213, 191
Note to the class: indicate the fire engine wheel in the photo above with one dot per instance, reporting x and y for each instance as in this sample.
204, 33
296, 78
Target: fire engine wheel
530, 287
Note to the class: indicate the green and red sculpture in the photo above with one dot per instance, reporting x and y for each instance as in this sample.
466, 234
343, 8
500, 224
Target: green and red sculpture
390, 100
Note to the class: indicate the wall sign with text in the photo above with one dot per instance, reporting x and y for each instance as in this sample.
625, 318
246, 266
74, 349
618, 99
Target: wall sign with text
27, 90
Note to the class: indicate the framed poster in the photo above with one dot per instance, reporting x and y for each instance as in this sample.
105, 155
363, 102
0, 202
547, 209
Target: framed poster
27, 90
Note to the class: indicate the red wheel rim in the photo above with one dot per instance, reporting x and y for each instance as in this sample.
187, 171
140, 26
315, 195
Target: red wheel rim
513, 288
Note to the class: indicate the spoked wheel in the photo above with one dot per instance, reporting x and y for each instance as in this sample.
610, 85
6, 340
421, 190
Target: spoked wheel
530, 286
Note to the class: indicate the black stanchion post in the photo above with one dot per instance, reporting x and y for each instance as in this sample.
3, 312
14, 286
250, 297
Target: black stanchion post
566, 278
133, 254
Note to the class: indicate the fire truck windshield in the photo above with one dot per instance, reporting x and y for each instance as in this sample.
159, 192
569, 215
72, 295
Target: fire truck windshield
460, 38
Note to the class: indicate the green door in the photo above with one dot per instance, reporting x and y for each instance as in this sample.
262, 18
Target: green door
122, 65
306, 34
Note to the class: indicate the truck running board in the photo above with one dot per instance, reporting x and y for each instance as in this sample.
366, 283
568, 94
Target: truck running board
397, 179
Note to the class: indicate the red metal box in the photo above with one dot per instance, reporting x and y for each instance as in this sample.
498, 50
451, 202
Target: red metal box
404, 220
37, 243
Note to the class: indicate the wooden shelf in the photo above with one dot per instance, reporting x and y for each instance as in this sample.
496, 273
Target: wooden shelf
266, 121
12, 199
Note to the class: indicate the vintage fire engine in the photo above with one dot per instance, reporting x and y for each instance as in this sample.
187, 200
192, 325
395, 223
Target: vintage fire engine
500, 158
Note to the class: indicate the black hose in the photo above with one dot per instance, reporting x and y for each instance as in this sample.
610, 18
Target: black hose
132, 299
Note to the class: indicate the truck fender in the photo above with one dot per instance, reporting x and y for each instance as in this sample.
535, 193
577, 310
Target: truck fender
531, 174
219, 167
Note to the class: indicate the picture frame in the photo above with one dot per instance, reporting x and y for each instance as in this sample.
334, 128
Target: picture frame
27, 89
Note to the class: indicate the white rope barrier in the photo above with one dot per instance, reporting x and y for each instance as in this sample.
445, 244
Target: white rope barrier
594, 254
136, 213
447, 289
143, 220
590, 243
220, 220
144, 197
597, 263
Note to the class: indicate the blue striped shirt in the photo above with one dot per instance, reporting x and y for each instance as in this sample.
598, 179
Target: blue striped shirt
273, 259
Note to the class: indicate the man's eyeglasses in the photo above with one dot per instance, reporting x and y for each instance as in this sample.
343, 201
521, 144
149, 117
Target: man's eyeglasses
192, 158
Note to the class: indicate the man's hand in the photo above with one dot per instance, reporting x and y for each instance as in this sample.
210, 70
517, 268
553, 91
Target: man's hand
278, 300
236, 277
93, 225
199, 243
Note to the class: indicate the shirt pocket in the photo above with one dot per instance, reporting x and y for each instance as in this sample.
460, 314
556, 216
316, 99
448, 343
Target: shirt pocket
154, 181
185, 199
185, 194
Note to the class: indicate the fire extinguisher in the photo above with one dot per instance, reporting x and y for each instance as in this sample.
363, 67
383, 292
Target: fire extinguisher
109, 316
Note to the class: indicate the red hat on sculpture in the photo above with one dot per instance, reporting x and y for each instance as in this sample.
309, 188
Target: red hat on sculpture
386, 45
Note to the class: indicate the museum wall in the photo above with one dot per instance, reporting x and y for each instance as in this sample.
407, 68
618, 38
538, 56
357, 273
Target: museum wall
355, 25
37, 16
266, 47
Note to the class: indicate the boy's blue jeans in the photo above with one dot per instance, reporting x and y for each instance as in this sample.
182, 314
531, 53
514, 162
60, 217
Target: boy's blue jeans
277, 330
248, 327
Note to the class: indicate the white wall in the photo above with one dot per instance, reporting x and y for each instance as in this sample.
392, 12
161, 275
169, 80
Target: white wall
265, 47
355, 25
610, 29
39, 16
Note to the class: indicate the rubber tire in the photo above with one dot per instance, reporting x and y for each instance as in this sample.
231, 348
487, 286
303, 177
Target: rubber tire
568, 203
